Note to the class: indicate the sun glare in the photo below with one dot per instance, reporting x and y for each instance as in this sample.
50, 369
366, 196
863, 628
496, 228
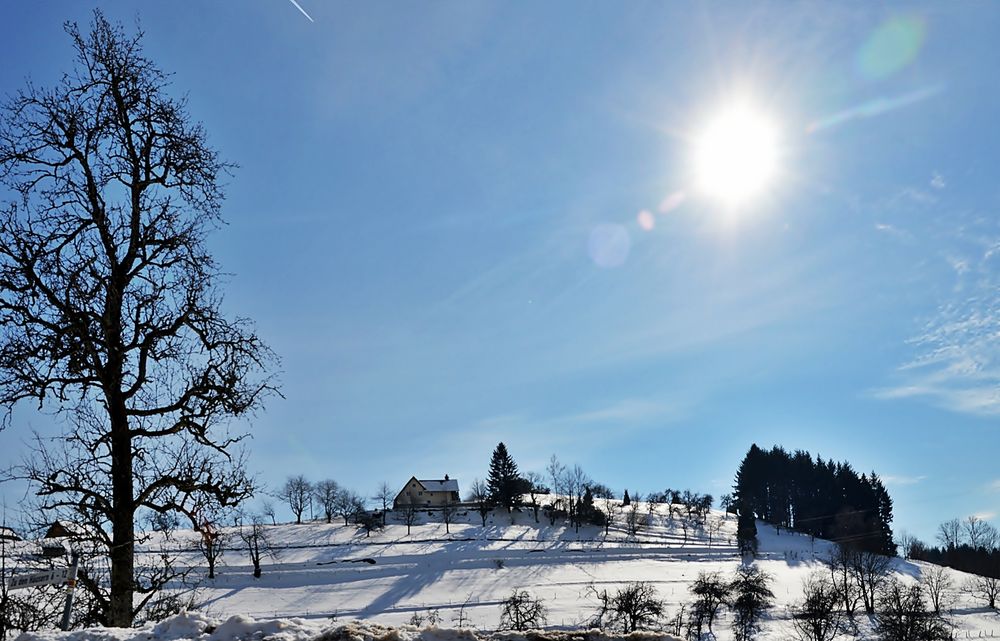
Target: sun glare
736, 155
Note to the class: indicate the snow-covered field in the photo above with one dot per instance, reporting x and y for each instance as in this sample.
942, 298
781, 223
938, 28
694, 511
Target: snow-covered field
329, 574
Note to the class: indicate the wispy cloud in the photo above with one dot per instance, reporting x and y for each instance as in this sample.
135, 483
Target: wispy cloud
956, 351
897, 480
994, 486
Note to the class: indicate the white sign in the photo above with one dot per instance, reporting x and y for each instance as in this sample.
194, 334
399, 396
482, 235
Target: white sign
48, 577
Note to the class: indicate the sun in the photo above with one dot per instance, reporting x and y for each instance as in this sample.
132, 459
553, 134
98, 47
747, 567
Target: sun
736, 155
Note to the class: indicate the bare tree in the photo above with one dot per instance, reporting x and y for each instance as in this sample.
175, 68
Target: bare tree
109, 305
296, 492
870, 571
751, 596
950, 534
610, 504
974, 528
634, 520
521, 611
384, 496
905, 542
257, 542
711, 593
937, 583
712, 527
326, 493
410, 514
213, 540
448, 510
819, 617
637, 606
480, 495
727, 503
267, 509
842, 577
903, 616
347, 504
535, 488
984, 588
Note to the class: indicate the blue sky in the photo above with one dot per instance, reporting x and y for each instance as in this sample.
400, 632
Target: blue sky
435, 223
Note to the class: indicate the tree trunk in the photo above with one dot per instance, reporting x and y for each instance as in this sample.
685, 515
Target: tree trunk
123, 537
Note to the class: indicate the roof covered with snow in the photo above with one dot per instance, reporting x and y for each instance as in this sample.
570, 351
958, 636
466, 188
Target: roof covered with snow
439, 485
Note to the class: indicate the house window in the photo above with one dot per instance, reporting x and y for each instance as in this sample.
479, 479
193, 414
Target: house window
420, 493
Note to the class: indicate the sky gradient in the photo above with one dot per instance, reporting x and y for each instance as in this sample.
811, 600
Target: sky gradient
465, 222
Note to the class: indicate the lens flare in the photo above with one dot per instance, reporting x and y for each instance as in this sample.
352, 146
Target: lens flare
609, 245
646, 220
891, 47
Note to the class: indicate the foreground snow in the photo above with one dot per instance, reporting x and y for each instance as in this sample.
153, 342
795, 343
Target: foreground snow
198, 626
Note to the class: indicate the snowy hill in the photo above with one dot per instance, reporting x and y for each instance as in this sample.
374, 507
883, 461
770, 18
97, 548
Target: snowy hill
326, 573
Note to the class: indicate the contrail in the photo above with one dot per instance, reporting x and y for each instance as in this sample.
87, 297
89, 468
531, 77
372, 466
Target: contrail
299, 7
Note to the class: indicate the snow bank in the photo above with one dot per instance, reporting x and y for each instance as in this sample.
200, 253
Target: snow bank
196, 626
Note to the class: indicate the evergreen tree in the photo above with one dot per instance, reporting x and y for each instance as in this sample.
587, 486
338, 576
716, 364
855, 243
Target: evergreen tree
626, 500
503, 482
746, 532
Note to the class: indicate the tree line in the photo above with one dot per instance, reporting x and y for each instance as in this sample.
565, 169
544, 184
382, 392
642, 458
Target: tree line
824, 499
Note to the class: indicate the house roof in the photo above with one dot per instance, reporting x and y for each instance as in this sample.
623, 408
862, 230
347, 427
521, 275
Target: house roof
439, 485
7, 533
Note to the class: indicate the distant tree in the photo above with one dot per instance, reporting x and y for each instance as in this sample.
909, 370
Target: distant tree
348, 503
410, 513
750, 597
746, 532
841, 563
212, 543
369, 522
819, 616
255, 539
536, 486
980, 534
984, 588
557, 475
626, 499
503, 478
904, 543
870, 571
902, 615
448, 511
480, 496
937, 583
577, 482
267, 509
712, 528
326, 493
296, 492
384, 496
634, 519
727, 503
950, 534
521, 612
609, 504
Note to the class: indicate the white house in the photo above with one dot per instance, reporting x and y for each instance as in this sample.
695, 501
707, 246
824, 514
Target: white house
427, 492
